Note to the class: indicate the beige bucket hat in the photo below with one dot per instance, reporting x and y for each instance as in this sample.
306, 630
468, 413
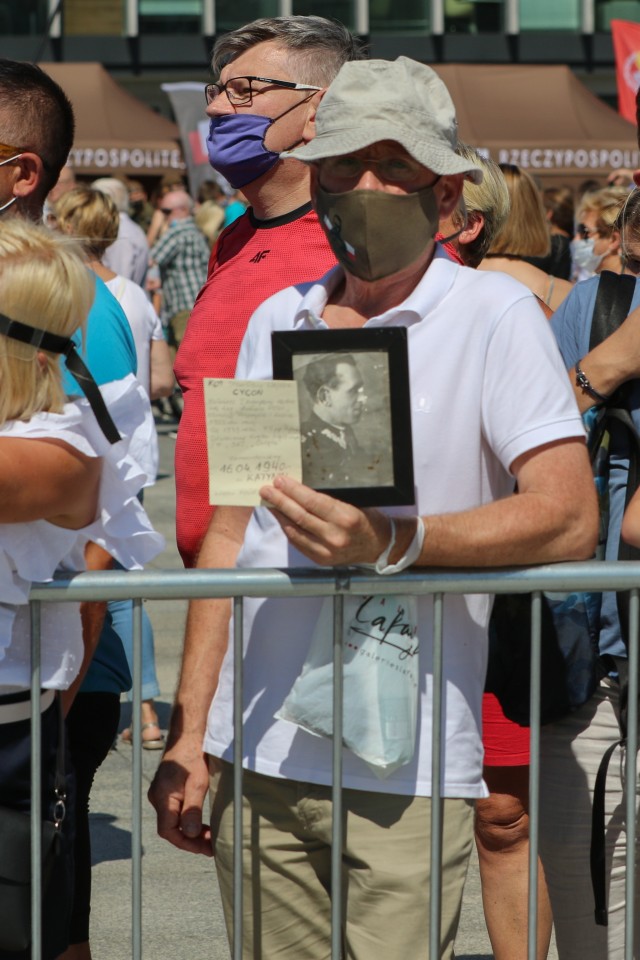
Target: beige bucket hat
401, 100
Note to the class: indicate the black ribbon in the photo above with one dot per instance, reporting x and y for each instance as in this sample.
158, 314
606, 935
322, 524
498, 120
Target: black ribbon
53, 343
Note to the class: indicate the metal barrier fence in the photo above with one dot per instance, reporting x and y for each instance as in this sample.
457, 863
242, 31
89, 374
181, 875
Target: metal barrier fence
338, 582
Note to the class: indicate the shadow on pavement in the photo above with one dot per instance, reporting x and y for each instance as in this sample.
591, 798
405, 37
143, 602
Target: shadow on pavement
108, 842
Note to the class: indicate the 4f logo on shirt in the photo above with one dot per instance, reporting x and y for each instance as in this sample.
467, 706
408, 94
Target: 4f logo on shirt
260, 255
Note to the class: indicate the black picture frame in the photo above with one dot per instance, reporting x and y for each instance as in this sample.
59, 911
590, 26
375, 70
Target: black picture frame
371, 466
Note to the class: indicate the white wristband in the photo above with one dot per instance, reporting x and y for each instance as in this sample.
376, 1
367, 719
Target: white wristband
413, 550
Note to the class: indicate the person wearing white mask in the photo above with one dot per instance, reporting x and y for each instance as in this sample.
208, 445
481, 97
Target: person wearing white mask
36, 136
596, 245
571, 749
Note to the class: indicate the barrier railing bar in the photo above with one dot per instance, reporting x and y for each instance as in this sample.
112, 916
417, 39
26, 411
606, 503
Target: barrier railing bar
336, 788
238, 749
36, 787
631, 766
195, 584
313, 582
534, 775
136, 783
435, 866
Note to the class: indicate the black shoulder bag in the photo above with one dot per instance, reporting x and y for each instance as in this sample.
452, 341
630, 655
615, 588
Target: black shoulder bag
15, 857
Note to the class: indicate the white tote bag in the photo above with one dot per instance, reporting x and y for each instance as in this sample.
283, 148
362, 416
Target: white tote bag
380, 680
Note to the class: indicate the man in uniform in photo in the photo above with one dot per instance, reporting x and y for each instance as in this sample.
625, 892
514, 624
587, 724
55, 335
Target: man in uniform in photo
331, 453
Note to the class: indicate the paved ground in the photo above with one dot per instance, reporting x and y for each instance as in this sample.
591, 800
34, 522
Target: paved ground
181, 914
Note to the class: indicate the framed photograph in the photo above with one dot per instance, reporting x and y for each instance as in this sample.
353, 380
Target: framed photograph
355, 411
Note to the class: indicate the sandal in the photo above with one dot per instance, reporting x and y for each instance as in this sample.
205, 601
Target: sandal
148, 743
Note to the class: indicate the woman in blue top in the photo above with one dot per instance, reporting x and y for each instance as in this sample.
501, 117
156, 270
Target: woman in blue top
571, 749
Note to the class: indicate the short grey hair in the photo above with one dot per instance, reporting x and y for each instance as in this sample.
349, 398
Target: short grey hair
115, 189
181, 200
318, 47
490, 198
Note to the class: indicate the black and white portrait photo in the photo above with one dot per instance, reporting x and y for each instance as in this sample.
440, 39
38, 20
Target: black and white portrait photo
345, 425
355, 419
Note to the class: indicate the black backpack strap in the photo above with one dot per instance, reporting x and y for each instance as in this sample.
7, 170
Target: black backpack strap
612, 306
598, 835
622, 416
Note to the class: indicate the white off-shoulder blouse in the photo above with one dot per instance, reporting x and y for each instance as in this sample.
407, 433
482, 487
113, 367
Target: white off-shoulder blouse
37, 551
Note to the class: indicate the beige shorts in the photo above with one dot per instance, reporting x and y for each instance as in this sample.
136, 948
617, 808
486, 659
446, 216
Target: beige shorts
287, 869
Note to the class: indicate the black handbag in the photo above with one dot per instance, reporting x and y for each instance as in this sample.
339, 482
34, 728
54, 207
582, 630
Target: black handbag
15, 858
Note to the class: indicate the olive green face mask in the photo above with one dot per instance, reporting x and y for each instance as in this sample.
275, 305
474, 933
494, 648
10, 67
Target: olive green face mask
375, 234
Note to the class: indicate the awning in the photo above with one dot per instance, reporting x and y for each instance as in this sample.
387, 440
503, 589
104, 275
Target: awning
115, 132
540, 118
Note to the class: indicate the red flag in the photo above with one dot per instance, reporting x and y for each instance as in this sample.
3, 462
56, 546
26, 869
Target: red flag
626, 46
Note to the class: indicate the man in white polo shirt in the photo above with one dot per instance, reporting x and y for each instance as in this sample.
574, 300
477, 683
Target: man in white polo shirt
490, 404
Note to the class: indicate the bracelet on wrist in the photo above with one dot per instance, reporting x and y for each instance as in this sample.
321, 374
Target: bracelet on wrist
414, 550
582, 381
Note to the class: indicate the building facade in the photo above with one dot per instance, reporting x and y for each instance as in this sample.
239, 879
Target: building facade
144, 42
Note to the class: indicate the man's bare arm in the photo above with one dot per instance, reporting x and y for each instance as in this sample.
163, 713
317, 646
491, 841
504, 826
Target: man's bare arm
553, 517
181, 782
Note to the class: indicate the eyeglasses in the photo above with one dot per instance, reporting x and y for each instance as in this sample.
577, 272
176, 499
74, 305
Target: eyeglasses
7, 148
586, 232
240, 90
392, 169
16, 152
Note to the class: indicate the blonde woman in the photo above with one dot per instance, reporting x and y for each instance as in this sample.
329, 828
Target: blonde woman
64, 485
571, 748
92, 217
596, 245
525, 234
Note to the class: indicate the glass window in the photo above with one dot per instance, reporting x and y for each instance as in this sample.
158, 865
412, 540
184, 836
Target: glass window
231, 14
342, 10
170, 16
27, 18
405, 16
99, 19
550, 15
473, 16
608, 10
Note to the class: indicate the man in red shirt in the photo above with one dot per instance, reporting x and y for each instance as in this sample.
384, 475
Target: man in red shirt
272, 75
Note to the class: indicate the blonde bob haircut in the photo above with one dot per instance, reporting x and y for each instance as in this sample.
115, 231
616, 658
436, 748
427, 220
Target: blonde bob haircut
490, 198
606, 204
526, 231
91, 217
45, 283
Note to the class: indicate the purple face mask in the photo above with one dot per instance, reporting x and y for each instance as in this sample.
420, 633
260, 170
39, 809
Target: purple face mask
236, 145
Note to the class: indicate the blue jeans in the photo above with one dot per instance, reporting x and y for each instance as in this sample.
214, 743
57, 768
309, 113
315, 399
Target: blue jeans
121, 611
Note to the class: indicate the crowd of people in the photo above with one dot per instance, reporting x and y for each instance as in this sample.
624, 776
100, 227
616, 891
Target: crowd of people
340, 198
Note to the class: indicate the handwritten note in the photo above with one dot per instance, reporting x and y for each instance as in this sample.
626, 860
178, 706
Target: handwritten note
253, 435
